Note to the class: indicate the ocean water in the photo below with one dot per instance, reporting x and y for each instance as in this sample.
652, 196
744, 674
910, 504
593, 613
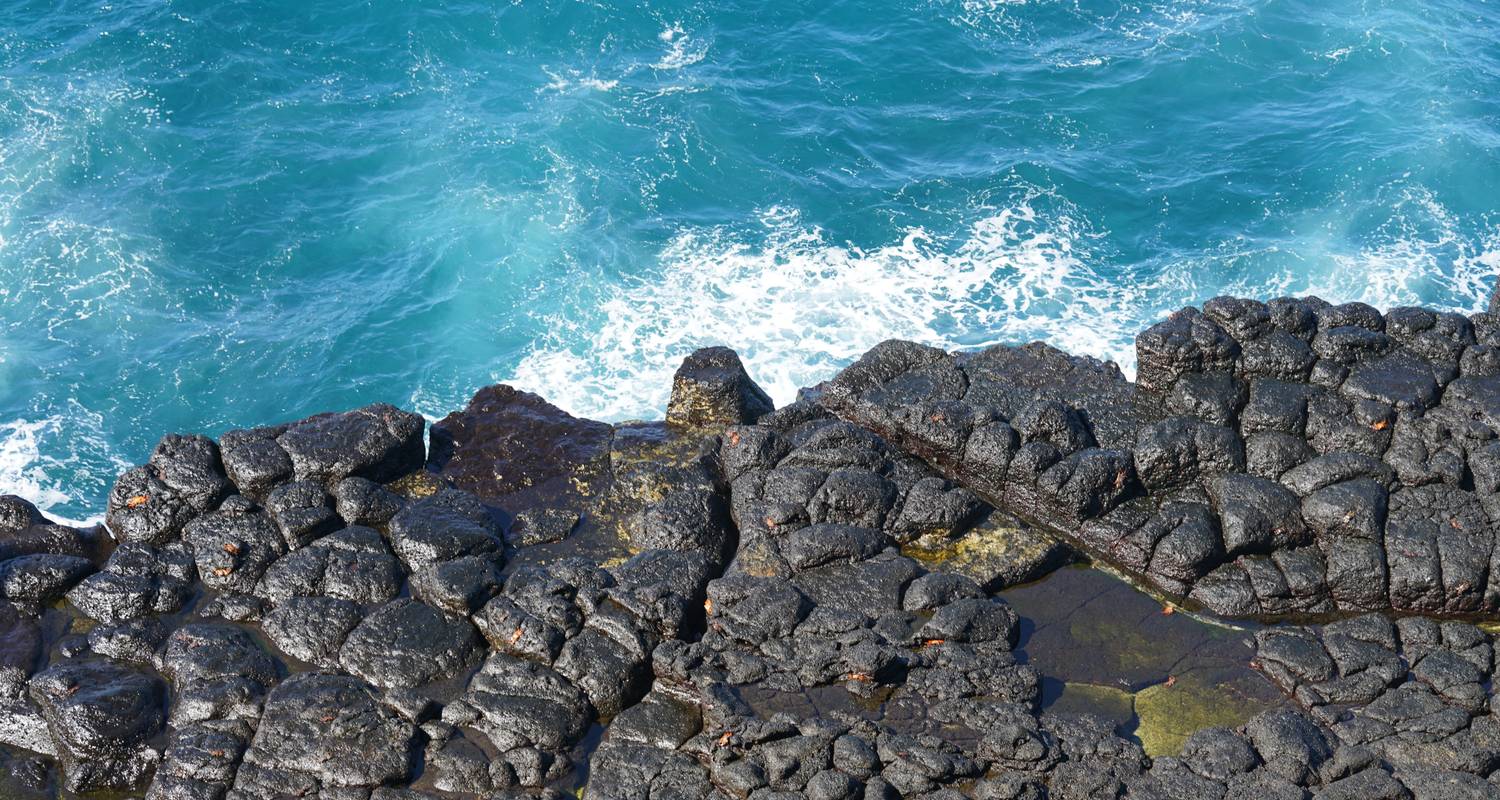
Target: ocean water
225, 214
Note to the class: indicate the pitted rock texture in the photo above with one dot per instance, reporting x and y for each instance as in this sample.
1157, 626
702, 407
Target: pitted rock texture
807, 602
1414, 694
1290, 457
712, 389
291, 612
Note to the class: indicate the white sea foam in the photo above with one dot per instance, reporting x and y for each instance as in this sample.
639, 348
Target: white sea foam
1420, 251
683, 50
574, 79
43, 461
798, 306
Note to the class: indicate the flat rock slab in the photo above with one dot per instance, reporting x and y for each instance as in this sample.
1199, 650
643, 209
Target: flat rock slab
405, 644
331, 728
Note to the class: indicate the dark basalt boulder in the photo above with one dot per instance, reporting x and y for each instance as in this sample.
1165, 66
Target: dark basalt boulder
405, 644
520, 704
1188, 341
201, 760
41, 579
312, 629
448, 525
137, 580
101, 717
712, 390
325, 730
24, 531
136, 641
361, 501
234, 545
253, 460
302, 512
379, 442
218, 672
459, 586
182, 479
544, 450
353, 564
542, 526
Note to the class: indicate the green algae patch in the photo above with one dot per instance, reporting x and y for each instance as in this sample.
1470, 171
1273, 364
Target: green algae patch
1173, 710
649, 459
1131, 651
417, 485
1110, 702
999, 552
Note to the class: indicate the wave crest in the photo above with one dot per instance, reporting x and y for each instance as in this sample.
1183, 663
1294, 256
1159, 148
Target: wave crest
798, 306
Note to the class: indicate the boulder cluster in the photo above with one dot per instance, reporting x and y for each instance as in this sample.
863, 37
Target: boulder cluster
1289, 457
750, 602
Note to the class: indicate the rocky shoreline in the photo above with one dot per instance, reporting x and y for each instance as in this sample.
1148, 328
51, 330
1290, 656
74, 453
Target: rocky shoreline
812, 601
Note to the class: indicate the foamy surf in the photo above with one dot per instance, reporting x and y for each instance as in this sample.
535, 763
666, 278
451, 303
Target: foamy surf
798, 306
42, 479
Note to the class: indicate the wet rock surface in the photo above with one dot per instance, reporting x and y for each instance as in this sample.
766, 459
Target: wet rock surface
1273, 458
865, 594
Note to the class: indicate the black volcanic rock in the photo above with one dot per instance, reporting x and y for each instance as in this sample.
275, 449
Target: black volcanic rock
325, 730
816, 601
405, 644
712, 389
542, 449
101, 717
25, 531
379, 442
182, 479
448, 525
1299, 468
354, 564
42, 578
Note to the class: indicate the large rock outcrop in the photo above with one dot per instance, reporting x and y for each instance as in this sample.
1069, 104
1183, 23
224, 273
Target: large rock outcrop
803, 602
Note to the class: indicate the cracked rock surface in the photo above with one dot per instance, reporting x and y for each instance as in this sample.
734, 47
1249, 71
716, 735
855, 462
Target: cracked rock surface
863, 594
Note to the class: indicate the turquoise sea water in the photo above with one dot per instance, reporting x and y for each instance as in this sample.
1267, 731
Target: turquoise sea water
224, 214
